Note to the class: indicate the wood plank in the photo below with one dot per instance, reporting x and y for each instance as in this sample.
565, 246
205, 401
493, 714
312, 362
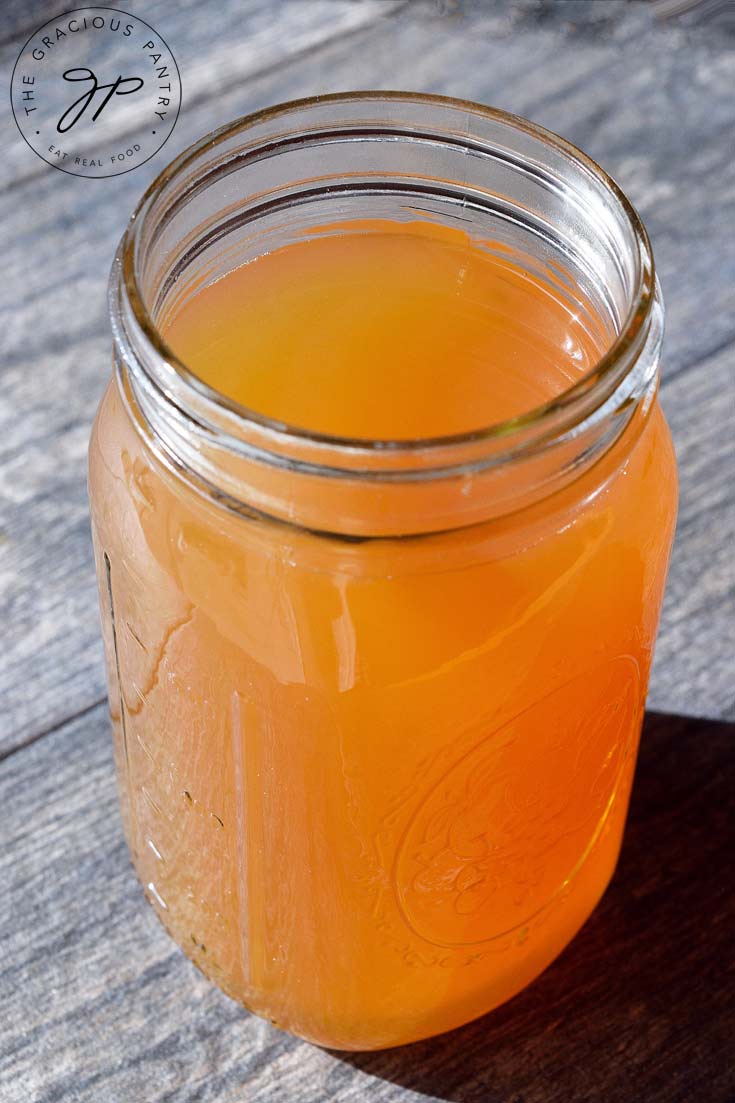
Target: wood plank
247, 37
58, 249
696, 644
98, 1004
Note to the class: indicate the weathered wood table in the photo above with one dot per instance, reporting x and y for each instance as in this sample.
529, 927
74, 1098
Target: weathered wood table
96, 1004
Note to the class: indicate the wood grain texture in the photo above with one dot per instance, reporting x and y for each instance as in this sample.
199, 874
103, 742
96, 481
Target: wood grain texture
96, 1004
99, 1006
694, 654
637, 94
215, 48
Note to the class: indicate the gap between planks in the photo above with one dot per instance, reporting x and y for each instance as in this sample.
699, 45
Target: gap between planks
9, 752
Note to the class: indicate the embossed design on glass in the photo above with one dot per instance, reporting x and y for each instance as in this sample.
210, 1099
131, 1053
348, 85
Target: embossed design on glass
508, 827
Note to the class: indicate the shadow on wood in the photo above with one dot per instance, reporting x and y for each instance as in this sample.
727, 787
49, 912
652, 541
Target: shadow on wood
641, 1005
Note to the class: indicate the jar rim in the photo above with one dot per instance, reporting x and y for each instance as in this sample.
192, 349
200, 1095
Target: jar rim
565, 406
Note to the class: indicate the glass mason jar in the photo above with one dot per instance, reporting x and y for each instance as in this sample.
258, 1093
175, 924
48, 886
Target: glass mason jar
377, 704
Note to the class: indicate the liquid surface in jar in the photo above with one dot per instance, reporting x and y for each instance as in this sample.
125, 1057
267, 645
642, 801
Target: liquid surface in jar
374, 788
392, 332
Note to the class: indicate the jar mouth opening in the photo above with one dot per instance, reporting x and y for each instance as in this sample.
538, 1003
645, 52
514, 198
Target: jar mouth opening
565, 410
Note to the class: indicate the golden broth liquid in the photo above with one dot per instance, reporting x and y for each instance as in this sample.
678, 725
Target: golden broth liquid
393, 333
374, 788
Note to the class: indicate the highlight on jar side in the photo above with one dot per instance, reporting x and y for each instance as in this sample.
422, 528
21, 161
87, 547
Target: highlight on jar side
382, 502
